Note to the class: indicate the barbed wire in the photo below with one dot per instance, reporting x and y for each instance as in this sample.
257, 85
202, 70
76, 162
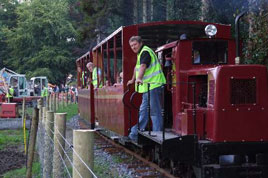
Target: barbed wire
93, 174
63, 161
67, 156
52, 122
71, 146
66, 141
68, 172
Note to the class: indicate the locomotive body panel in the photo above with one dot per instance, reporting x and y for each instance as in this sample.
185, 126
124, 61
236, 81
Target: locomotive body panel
241, 103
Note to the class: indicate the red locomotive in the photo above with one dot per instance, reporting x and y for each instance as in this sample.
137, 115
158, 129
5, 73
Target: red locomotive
215, 111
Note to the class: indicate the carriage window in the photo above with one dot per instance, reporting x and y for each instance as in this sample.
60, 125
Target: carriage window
210, 52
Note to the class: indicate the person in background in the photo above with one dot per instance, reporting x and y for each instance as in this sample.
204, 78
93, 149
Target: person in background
10, 94
121, 77
196, 57
76, 95
96, 75
147, 70
44, 93
37, 89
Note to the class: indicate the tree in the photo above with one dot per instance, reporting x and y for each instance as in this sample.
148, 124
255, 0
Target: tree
256, 50
7, 21
43, 39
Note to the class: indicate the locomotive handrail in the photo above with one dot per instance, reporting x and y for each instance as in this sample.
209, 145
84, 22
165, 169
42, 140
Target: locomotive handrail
170, 83
131, 100
123, 99
191, 105
134, 106
128, 107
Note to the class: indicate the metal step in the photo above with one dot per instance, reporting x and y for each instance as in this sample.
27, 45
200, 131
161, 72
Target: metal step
157, 136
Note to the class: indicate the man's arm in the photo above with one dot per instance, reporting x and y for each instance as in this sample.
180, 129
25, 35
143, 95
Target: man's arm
133, 77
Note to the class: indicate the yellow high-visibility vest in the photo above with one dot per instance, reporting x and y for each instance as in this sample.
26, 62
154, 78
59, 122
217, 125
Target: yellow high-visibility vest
153, 73
10, 93
44, 92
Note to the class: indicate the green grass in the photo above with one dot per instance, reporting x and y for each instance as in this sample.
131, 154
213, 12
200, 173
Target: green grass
21, 173
10, 137
71, 110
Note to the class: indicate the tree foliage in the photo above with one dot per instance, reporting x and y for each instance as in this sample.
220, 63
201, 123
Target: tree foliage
256, 51
42, 41
44, 37
7, 21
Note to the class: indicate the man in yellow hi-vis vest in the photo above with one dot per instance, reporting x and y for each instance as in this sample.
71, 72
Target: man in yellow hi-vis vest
44, 91
44, 94
147, 71
96, 75
10, 94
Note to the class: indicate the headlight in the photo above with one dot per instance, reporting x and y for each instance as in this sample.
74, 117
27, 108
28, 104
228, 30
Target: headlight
210, 30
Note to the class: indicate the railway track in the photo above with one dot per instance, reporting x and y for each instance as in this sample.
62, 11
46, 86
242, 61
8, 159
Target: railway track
136, 164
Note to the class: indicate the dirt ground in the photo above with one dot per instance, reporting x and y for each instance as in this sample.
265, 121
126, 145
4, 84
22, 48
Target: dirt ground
11, 158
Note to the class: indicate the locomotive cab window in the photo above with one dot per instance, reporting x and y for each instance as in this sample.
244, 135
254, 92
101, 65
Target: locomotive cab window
209, 52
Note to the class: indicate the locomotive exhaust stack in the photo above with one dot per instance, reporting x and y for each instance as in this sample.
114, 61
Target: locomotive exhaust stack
237, 35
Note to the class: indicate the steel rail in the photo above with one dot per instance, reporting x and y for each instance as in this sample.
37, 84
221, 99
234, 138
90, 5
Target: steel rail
137, 156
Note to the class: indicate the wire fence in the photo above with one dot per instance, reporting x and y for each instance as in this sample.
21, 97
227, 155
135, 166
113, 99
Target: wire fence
61, 146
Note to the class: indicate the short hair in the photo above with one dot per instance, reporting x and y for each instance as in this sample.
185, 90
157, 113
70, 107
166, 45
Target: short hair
135, 38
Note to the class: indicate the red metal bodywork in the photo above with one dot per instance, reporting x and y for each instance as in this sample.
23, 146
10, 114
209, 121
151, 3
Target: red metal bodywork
219, 121
8, 110
223, 121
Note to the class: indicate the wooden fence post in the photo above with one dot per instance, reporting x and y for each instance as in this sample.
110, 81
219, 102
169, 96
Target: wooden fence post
40, 107
66, 99
62, 99
50, 102
54, 102
44, 115
57, 101
47, 102
32, 141
83, 141
59, 143
48, 157
23, 110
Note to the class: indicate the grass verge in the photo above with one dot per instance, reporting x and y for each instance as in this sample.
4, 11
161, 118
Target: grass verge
71, 110
20, 173
10, 138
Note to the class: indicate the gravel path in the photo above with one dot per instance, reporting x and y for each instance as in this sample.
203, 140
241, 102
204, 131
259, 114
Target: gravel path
108, 163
